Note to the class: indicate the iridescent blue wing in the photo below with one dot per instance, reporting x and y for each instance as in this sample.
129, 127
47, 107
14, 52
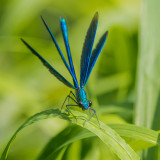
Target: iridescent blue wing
87, 49
66, 41
46, 64
60, 53
95, 55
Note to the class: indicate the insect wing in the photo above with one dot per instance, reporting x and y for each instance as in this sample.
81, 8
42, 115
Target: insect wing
87, 48
59, 51
46, 64
66, 41
95, 54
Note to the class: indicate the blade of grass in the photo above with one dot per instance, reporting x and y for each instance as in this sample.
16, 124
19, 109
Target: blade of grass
148, 78
139, 138
66, 137
144, 137
105, 133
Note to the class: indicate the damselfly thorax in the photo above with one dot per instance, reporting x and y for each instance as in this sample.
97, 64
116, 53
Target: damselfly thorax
82, 100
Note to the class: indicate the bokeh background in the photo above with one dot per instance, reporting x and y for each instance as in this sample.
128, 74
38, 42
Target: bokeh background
26, 87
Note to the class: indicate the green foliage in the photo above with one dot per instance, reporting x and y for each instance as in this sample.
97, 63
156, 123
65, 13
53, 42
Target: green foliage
26, 87
148, 79
74, 133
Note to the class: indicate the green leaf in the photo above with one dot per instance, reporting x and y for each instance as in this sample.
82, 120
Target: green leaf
105, 133
39, 116
110, 138
66, 137
138, 137
148, 78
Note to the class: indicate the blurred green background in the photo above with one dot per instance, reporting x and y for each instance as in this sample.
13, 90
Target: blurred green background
26, 87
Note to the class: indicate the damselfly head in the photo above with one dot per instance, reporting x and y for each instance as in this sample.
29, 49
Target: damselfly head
85, 104
90, 103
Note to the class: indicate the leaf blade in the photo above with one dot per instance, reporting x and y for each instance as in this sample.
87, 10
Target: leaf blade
106, 134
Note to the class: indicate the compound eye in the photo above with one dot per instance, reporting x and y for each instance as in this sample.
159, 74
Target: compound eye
80, 104
90, 103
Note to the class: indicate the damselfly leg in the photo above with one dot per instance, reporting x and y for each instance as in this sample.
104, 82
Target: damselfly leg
68, 105
69, 97
92, 115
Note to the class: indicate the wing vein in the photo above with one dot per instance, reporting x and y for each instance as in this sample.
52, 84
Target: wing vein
66, 41
46, 64
87, 49
60, 52
95, 54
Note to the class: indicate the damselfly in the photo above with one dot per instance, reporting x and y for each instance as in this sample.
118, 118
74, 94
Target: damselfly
88, 60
